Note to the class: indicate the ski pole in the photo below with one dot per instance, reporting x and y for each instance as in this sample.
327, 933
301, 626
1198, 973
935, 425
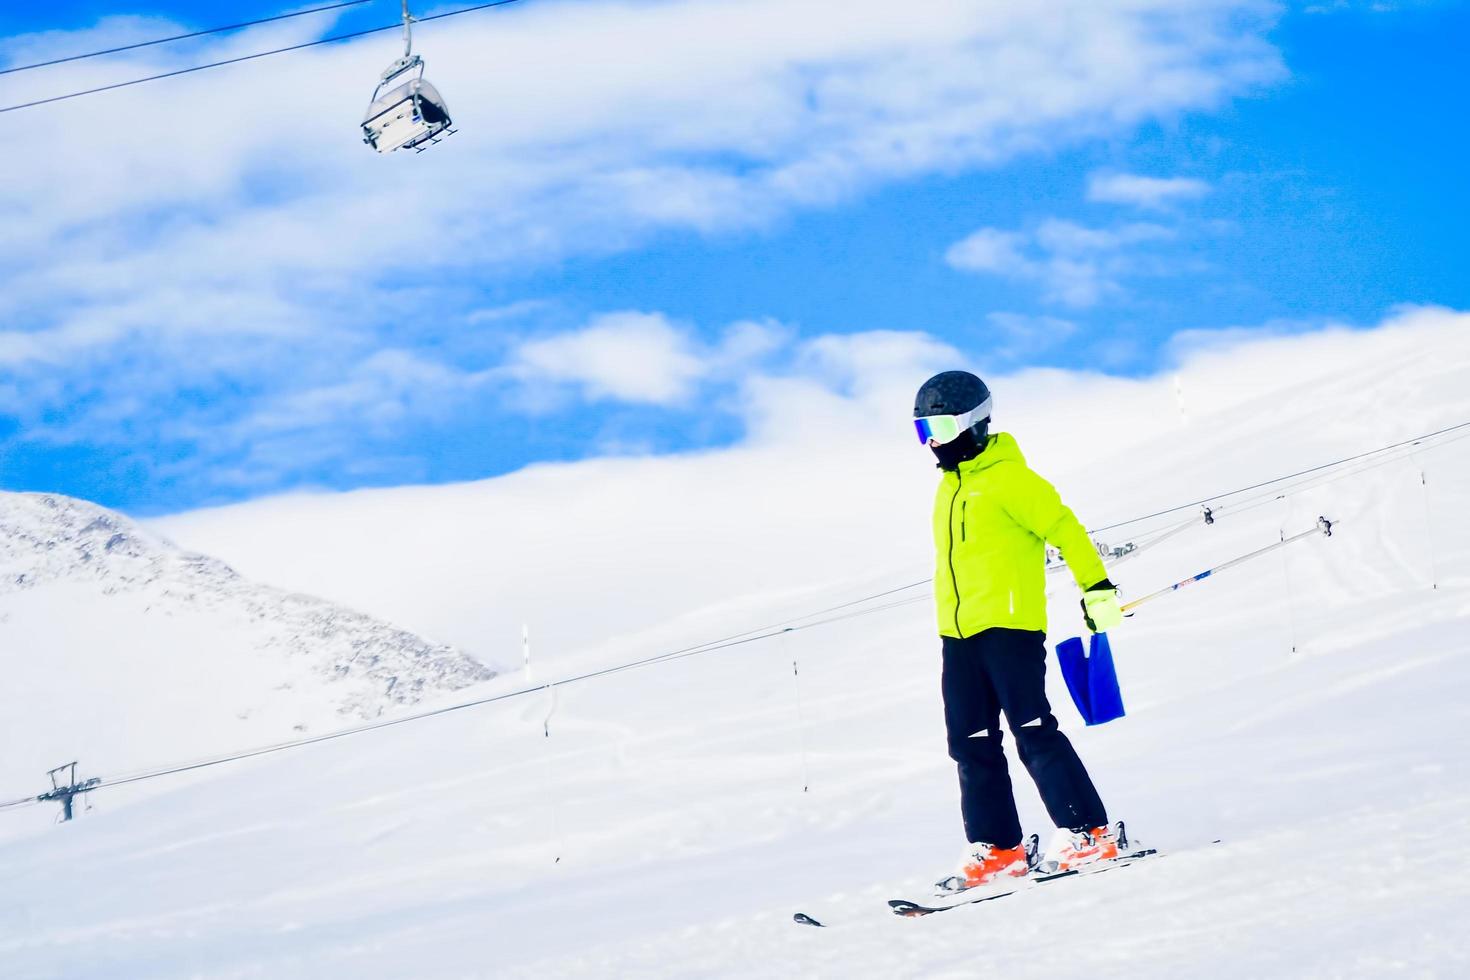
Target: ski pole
1324, 526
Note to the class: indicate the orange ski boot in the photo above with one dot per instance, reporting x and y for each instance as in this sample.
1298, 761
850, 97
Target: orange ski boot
1071, 849
982, 864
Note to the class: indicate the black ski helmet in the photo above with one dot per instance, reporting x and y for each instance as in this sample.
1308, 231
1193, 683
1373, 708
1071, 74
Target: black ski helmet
954, 393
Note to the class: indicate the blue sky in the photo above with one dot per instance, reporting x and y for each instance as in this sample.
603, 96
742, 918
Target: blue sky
628, 254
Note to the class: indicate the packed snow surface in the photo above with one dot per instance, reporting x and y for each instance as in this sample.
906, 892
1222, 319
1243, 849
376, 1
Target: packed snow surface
1307, 709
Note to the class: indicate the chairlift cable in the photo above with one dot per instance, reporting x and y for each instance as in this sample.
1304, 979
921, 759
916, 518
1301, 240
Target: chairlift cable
182, 37
396, 25
139, 776
812, 615
1327, 479
1325, 476
1283, 487
1283, 479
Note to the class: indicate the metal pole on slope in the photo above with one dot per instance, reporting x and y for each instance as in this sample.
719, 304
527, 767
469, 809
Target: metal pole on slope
1324, 527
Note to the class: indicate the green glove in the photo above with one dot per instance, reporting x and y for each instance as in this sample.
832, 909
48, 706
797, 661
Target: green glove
1100, 607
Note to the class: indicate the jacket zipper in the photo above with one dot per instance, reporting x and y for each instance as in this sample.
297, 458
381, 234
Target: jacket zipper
953, 578
964, 509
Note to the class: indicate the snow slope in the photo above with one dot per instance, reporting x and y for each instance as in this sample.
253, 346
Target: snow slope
1308, 709
119, 648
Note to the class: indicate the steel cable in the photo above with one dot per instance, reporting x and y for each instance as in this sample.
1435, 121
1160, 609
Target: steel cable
181, 37
252, 57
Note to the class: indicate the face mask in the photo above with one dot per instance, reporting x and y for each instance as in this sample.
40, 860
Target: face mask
966, 446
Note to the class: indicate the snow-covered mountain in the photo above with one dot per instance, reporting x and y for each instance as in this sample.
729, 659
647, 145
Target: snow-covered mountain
125, 640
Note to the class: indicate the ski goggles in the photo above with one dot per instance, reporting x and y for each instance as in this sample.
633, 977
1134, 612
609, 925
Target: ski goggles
944, 429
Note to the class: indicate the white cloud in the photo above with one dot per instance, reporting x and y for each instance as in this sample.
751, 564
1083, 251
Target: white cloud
867, 362
1075, 265
1069, 238
637, 358
1144, 192
276, 435
383, 389
629, 356
508, 311
749, 341
991, 250
1020, 334
842, 383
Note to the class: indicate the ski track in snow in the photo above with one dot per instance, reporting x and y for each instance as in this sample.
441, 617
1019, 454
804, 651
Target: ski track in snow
662, 829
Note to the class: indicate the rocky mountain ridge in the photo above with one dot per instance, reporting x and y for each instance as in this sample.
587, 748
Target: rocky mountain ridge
365, 665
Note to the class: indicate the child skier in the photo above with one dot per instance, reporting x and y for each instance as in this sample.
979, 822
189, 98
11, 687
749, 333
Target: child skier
993, 518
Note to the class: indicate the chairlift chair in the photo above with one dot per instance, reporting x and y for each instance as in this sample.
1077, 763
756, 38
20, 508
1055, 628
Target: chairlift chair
406, 111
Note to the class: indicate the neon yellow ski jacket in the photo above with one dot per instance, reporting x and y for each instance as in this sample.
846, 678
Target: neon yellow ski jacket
992, 519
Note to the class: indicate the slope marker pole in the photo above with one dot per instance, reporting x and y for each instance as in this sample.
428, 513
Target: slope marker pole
806, 773
1428, 523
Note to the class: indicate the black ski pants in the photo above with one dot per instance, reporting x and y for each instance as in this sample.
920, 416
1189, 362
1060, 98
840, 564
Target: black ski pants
1004, 670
